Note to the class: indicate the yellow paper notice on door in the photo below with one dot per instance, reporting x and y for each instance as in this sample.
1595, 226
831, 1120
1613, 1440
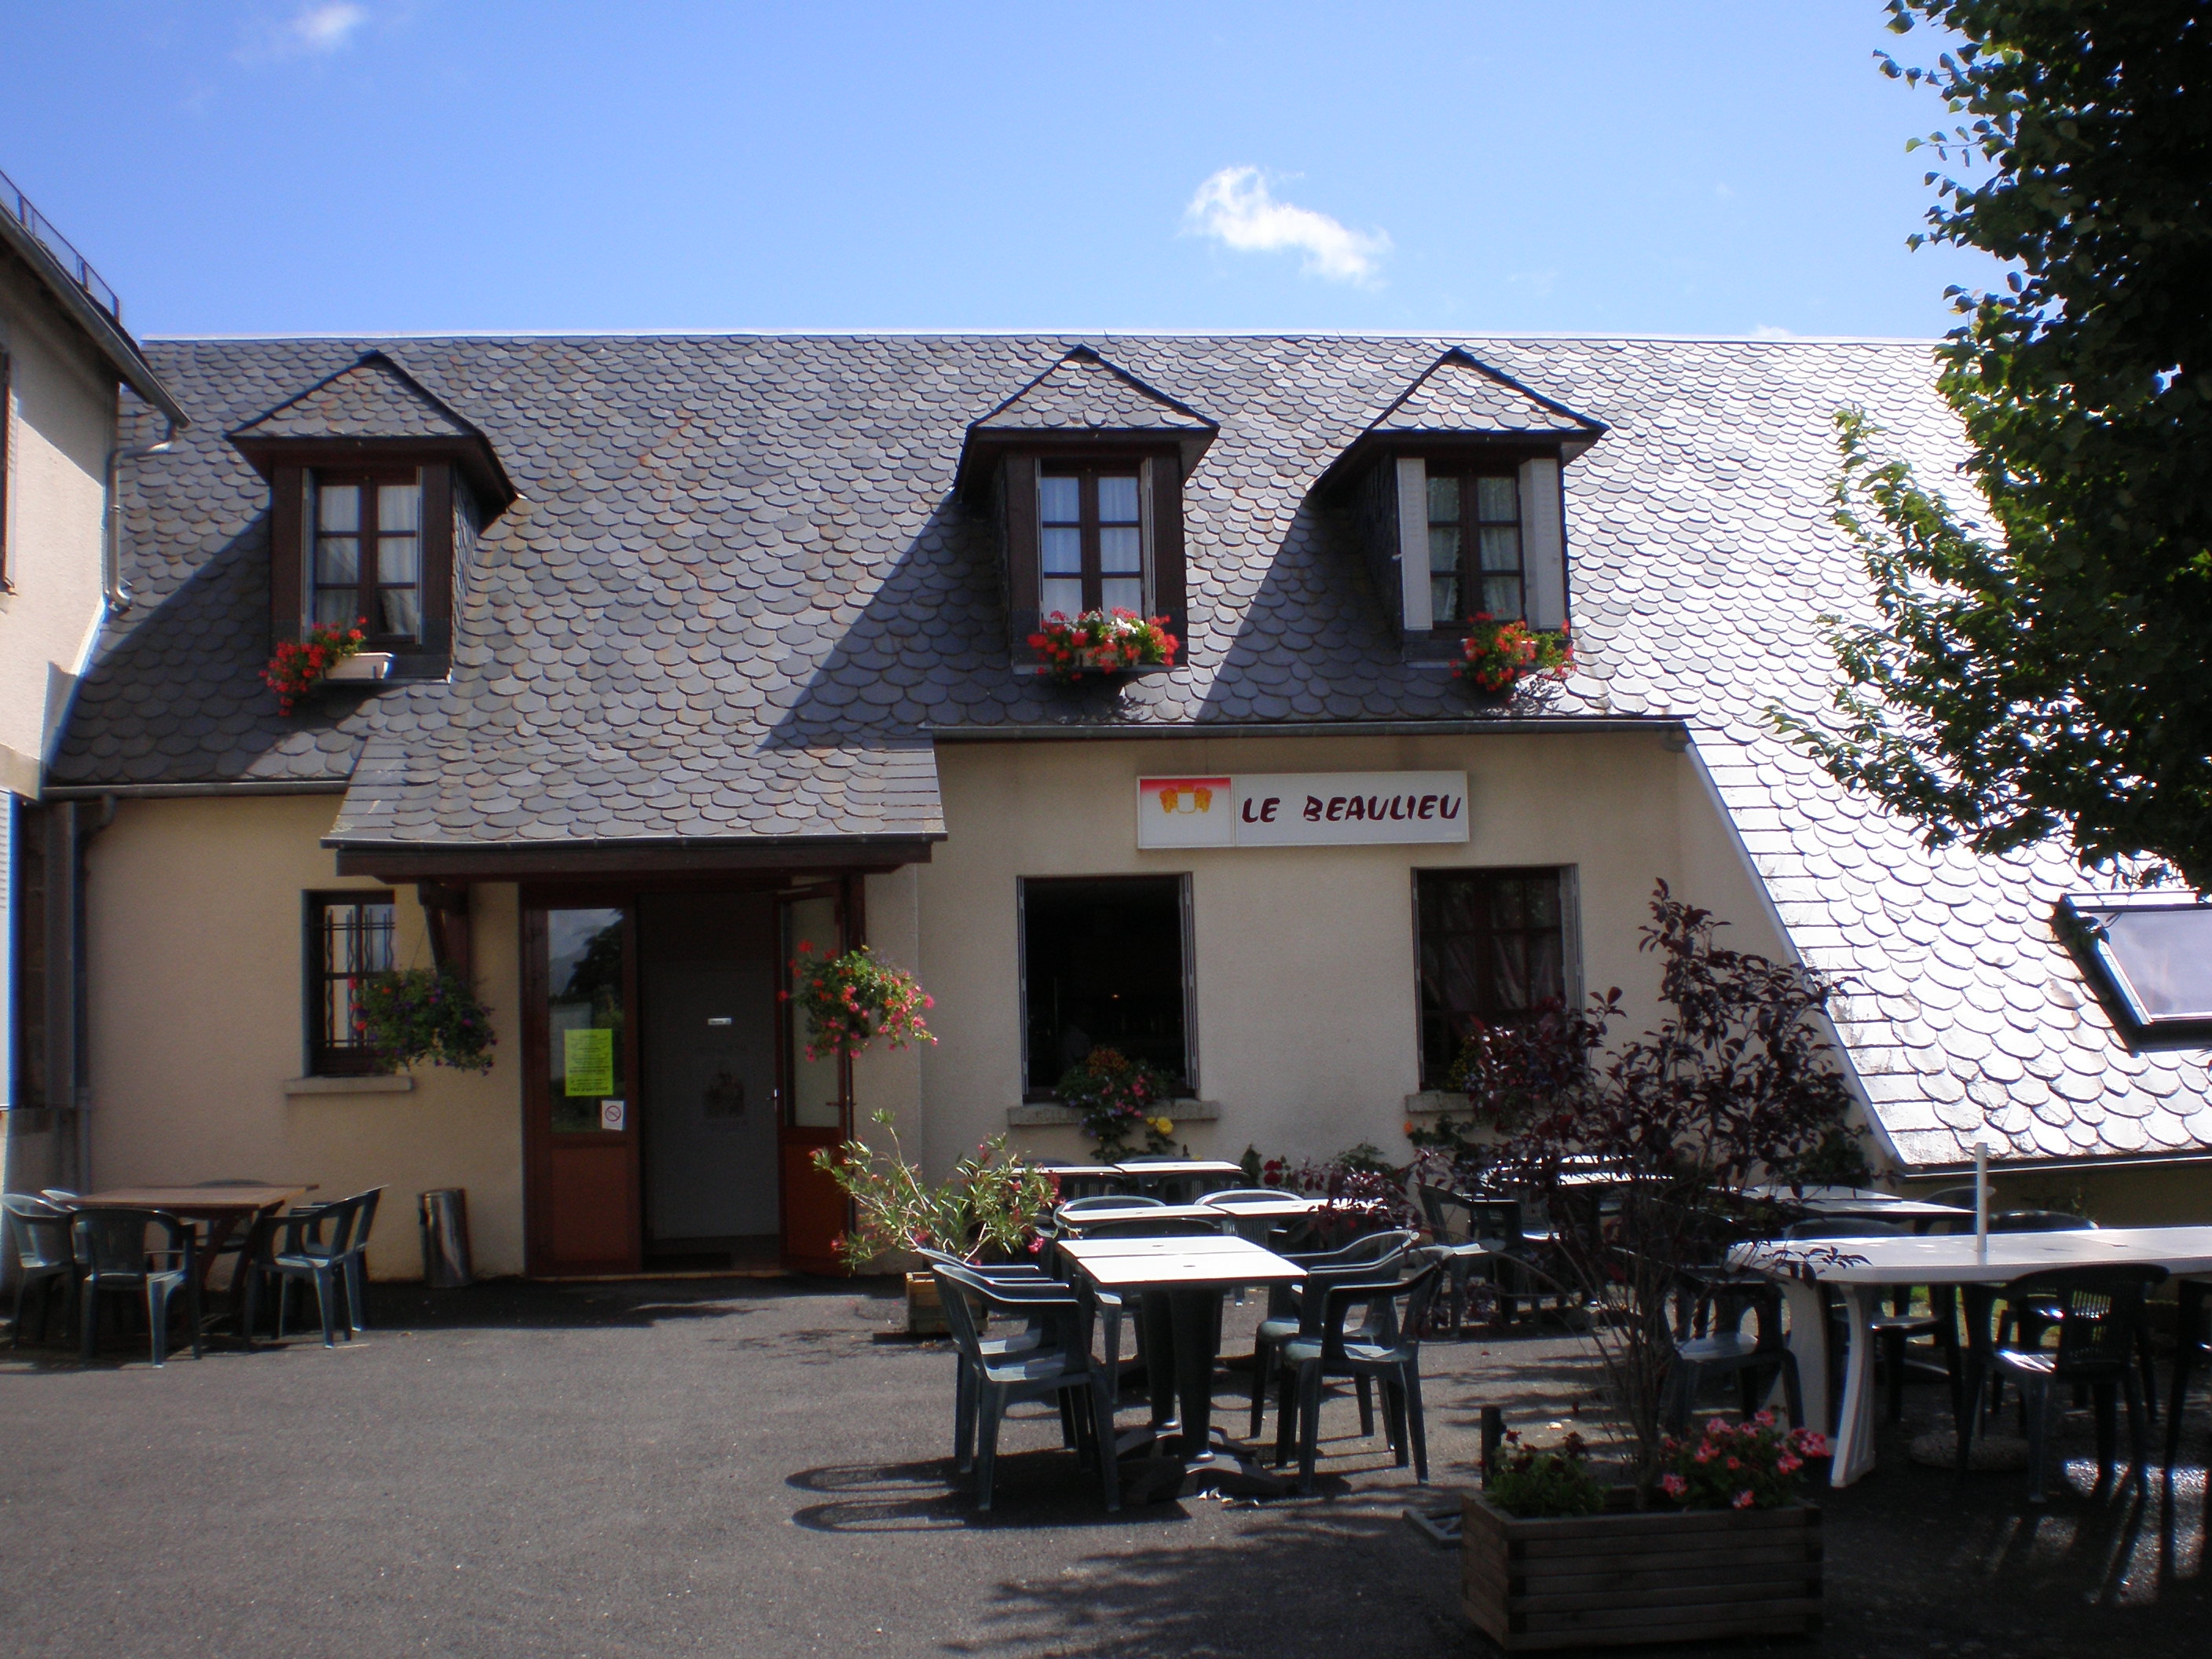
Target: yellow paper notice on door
588, 1060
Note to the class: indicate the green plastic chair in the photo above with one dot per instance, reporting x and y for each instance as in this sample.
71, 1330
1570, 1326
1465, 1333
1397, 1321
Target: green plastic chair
1386, 1348
38, 1236
1060, 1366
113, 1257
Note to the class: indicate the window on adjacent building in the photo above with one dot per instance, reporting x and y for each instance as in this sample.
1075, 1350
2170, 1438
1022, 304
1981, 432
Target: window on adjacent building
1475, 545
1090, 539
350, 937
365, 560
2154, 953
1106, 963
1492, 947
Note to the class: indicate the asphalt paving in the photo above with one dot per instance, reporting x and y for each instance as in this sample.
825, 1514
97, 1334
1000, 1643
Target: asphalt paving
750, 1468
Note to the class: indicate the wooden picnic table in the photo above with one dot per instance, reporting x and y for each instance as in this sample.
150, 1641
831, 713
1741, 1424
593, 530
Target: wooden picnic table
222, 1210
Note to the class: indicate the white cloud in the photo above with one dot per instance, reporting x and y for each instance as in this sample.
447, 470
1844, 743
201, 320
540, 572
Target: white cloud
322, 27
1769, 331
1236, 208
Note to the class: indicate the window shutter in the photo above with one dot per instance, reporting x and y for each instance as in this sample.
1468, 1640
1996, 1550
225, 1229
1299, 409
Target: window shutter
1413, 603
437, 555
1544, 543
1019, 494
1165, 474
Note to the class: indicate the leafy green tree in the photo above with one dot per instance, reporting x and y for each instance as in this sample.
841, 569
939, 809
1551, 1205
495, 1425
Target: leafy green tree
2046, 672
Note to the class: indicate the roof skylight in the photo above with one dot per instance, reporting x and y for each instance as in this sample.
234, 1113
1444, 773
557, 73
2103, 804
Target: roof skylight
2155, 950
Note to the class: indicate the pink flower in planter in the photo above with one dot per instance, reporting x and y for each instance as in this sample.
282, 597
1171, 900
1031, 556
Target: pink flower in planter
1744, 1499
1673, 1485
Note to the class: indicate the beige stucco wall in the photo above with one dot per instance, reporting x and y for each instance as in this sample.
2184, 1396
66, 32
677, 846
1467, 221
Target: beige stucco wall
1307, 1001
63, 421
193, 935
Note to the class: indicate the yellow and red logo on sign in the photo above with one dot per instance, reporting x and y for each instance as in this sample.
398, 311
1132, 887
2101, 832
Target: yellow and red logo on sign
1185, 794
1183, 813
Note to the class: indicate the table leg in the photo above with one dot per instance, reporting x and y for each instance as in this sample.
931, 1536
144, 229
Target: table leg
1808, 1341
1155, 1311
1197, 1322
1854, 1448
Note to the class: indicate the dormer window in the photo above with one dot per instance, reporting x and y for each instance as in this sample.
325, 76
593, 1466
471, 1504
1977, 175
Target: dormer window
1091, 538
368, 556
1475, 545
377, 491
1083, 469
1456, 495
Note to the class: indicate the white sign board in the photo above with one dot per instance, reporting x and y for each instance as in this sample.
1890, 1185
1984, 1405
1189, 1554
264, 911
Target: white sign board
1302, 809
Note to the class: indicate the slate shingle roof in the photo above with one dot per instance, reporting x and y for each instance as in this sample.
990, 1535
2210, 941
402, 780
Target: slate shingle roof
1081, 393
737, 596
1461, 395
370, 398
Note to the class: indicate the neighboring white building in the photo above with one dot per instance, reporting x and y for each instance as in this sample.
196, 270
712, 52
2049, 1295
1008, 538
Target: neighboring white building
64, 354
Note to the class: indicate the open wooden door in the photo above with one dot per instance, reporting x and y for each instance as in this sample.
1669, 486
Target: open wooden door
579, 1118
815, 1094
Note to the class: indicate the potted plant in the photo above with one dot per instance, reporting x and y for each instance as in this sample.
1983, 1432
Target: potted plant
1735, 1087
1553, 1557
1101, 643
987, 1210
1497, 656
851, 999
1118, 1097
297, 667
1360, 1191
411, 1014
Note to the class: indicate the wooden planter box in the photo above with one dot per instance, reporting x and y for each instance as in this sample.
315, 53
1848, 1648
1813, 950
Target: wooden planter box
1624, 1577
925, 1308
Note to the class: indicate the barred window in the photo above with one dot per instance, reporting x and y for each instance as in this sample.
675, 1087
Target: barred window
350, 936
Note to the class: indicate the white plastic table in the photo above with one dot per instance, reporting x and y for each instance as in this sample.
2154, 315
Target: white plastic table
1189, 1275
1861, 1268
1862, 1204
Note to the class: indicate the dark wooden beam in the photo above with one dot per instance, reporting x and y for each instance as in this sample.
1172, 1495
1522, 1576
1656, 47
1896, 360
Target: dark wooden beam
588, 861
446, 908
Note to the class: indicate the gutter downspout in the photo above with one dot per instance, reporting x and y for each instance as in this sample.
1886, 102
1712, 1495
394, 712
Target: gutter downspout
68, 1034
113, 594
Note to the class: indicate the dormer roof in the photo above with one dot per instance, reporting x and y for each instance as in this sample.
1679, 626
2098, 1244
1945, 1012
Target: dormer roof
372, 407
1460, 399
1083, 399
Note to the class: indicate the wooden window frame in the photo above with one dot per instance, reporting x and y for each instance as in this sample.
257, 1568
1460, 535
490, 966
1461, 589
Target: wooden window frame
325, 1058
1466, 472
291, 541
369, 536
1019, 506
1432, 1068
1090, 524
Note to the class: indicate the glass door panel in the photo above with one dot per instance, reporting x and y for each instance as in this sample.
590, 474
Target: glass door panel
817, 1096
579, 1081
585, 969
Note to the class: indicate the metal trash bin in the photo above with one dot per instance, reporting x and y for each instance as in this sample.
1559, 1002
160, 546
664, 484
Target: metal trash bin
444, 1215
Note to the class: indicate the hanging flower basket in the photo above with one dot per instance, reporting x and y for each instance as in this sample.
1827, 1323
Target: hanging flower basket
1497, 656
411, 1014
850, 1001
298, 666
1101, 643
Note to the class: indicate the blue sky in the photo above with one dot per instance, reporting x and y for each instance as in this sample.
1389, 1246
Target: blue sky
403, 165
